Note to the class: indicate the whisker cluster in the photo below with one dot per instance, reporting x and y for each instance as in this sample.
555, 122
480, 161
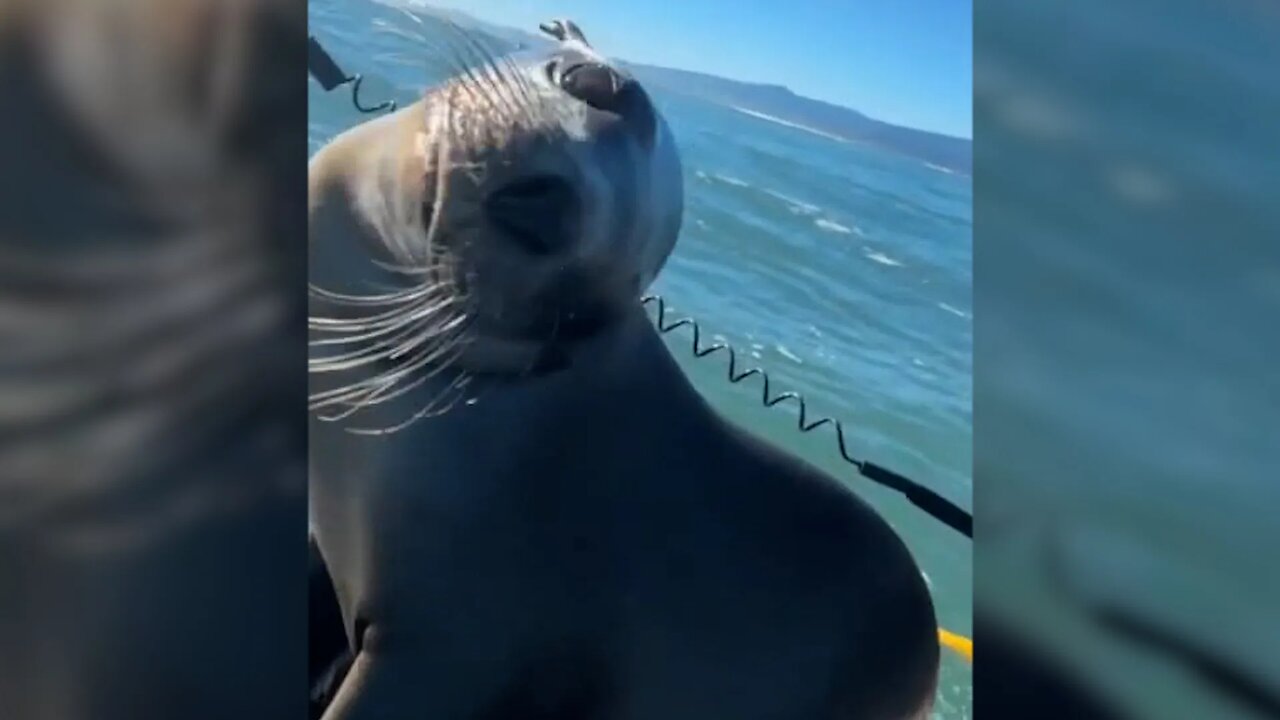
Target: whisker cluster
382, 345
393, 343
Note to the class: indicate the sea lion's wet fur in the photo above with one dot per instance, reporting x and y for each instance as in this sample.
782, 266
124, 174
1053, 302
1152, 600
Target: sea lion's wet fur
436, 285
594, 542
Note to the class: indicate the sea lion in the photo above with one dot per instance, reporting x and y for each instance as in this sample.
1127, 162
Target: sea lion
526, 508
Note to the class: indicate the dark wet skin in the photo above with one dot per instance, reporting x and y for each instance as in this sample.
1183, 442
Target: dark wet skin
594, 541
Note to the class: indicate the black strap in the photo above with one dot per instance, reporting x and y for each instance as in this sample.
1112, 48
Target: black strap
942, 509
922, 497
326, 71
322, 67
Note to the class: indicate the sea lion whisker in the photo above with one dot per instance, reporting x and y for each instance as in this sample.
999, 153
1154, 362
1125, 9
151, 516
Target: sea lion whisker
349, 408
520, 79
351, 398
325, 324
429, 409
518, 83
466, 74
507, 82
421, 268
396, 297
426, 335
458, 83
361, 332
432, 409
430, 333
493, 72
386, 312
372, 391
532, 107
477, 68
354, 329
388, 349
389, 294
473, 50
434, 227
385, 349
401, 296
432, 359
344, 395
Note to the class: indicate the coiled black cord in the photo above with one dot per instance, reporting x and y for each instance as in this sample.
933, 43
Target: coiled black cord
1210, 667
323, 68
922, 497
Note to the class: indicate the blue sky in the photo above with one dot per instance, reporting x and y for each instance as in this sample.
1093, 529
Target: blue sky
908, 62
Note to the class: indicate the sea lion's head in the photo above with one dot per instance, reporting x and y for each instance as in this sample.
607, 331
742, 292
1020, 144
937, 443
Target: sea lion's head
536, 197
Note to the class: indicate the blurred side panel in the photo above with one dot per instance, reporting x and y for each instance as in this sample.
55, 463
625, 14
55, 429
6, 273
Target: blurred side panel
1127, 395
152, 359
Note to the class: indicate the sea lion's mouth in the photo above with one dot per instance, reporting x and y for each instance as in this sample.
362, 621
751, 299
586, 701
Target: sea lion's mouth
555, 335
575, 327
573, 330
569, 325
547, 357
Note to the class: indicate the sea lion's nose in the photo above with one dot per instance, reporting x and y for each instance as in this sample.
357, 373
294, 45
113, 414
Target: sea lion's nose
604, 88
539, 213
597, 85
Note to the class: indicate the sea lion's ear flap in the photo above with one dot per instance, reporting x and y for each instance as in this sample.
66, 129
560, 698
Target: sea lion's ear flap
564, 30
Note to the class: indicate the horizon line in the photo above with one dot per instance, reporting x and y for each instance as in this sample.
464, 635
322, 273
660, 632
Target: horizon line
426, 5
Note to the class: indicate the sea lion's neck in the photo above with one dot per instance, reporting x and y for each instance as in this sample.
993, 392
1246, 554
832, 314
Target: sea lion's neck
613, 386
625, 365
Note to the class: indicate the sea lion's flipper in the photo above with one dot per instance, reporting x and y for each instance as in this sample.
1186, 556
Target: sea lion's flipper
403, 687
364, 694
329, 654
391, 680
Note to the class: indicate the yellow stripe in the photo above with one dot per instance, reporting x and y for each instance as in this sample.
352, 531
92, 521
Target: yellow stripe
959, 643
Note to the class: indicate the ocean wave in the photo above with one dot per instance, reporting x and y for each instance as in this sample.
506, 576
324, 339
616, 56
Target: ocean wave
731, 180
877, 256
784, 352
787, 123
832, 226
799, 207
954, 310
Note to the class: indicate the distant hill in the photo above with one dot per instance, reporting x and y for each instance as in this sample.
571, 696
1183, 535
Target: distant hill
779, 102
775, 101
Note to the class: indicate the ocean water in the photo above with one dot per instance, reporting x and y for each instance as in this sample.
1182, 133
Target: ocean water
841, 269
1128, 385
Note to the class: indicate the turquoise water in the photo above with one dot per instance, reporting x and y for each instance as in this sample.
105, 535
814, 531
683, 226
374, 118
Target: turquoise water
842, 270
1129, 354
